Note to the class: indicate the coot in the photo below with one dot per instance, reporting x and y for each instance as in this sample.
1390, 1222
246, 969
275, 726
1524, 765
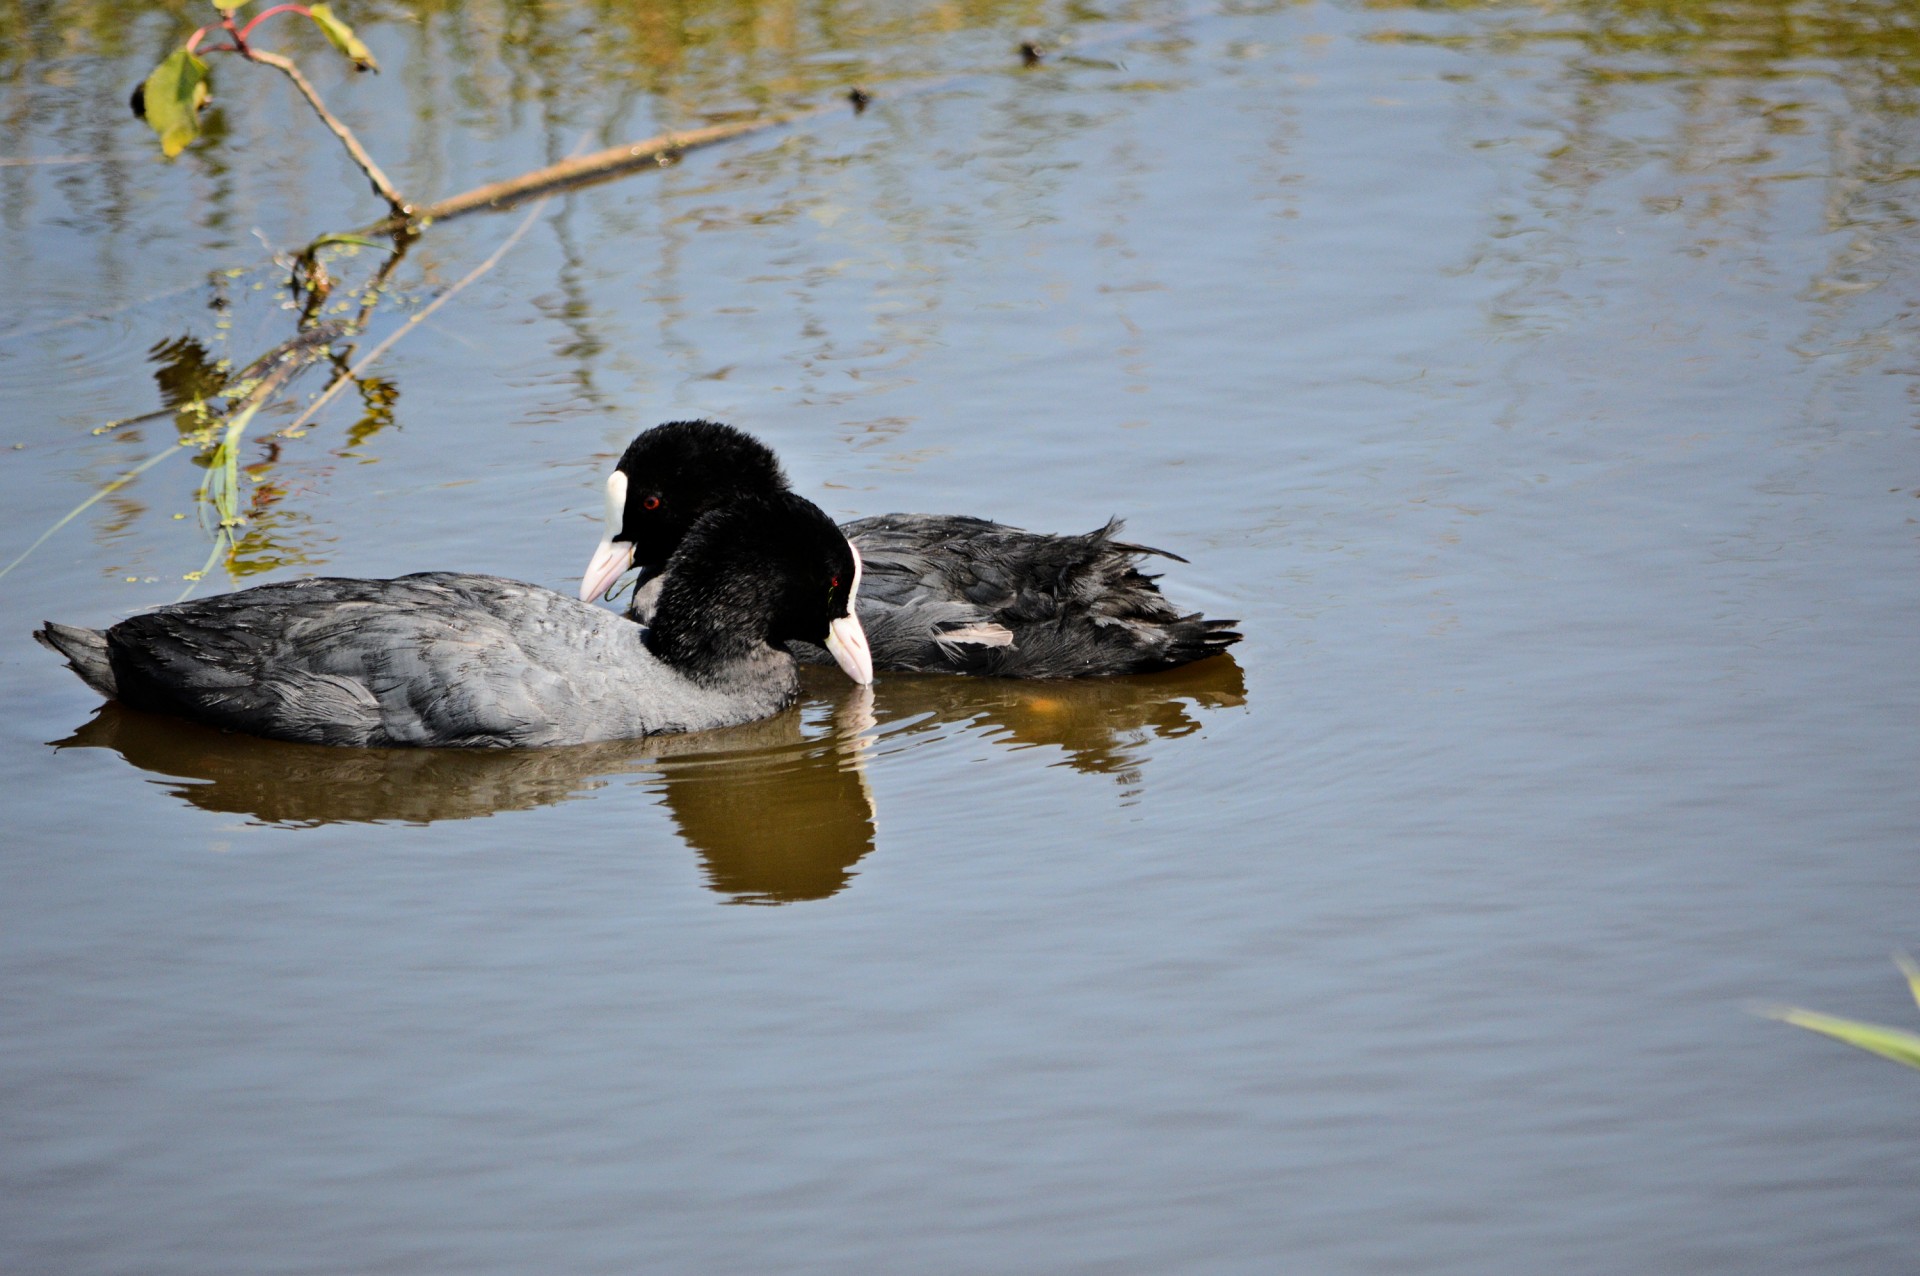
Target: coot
459, 660
943, 593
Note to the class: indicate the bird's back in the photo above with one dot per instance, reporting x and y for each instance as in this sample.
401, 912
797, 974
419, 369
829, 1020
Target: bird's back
439, 658
951, 593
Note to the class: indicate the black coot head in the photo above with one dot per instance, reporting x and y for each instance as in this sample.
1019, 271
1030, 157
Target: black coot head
666, 479
760, 572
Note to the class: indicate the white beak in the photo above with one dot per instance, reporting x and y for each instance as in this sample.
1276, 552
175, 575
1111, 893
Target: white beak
847, 643
846, 640
610, 557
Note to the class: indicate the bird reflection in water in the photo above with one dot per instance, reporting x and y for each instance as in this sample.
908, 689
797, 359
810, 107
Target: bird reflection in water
779, 811
1105, 726
778, 821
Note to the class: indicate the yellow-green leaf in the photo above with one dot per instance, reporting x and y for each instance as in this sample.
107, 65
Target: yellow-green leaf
1912, 972
172, 98
1892, 1043
357, 241
228, 6
342, 37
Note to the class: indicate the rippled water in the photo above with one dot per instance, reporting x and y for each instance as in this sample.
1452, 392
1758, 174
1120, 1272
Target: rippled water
1538, 384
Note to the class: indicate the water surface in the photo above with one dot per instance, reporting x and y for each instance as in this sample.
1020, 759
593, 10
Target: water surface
1536, 383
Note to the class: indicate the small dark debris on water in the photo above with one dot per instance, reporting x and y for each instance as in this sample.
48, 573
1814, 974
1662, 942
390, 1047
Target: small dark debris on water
139, 101
859, 97
1031, 53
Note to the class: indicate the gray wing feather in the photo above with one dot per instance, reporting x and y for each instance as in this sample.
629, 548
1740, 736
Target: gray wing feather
442, 659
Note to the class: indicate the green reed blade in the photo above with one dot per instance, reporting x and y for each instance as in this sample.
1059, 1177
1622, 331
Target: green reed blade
1890, 1043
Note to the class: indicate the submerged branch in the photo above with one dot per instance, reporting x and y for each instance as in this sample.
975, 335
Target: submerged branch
264, 378
354, 374
95, 499
221, 486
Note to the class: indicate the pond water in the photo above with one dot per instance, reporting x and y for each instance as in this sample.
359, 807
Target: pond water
1536, 383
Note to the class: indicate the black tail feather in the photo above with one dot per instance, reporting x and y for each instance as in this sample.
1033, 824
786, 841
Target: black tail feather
85, 651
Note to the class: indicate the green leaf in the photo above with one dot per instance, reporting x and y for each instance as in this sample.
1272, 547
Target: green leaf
342, 37
228, 6
1911, 971
357, 241
172, 98
1892, 1043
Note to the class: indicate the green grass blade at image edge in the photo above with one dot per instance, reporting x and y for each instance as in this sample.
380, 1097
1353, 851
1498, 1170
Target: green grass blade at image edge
1892, 1043
1912, 972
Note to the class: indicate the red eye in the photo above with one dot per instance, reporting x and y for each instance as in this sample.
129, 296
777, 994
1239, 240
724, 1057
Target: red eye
651, 503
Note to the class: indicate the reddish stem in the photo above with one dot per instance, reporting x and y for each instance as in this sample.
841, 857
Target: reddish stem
195, 38
264, 14
226, 20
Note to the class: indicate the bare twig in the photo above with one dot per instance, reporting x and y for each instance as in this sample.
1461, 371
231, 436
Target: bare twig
586, 168
381, 186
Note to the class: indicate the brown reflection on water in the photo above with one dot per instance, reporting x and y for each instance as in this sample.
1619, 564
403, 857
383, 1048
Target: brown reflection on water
777, 822
1104, 726
778, 811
